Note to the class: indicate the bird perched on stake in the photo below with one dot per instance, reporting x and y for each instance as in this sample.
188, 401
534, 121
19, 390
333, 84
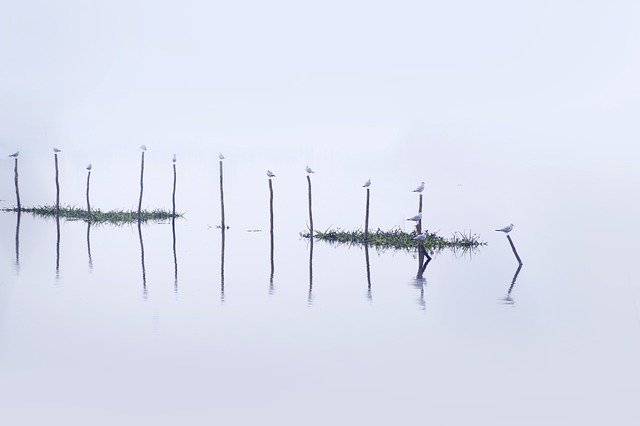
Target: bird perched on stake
89, 167
15, 154
143, 147
270, 174
506, 229
416, 218
420, 188
420, 237
174, 158
308, 169
220, 156
367, 183
56, 150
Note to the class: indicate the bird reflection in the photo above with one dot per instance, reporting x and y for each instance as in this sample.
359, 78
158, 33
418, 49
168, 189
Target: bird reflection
368, 266
89, 246
57, 247
18, 243
420, 284
144, 272
508, 300
175, 256
310, 297
222, 265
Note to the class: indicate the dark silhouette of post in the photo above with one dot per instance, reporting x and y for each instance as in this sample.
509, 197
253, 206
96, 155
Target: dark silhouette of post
368, 267
173, 196
271, 234
144, 271
366, 218
223, 223
222, 248
88, 201
310, 297
175, 255
18, 240
15, 173
513, 247
57, 246
55, 154
141, 185
419, 223
89, 245
310, 209
422, 263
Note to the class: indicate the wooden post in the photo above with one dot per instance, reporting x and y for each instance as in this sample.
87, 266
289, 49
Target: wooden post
422, 263
222, 264
368, 266
223, 224
310, 209
366, 218
57, 246
310, 297
57, 186
18, 240
15, 172
144, 271
271, 232
419, 223
175, 255
88, 202
513, 247
141, 189
173, 197
89, 245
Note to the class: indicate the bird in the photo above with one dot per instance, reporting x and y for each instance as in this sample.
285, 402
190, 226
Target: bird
308, 169
420, 188
506, 229
220, 156
420, 237
56, 150
367, 183
270, 174
15, 154
143, 147
416, 218
174, 158
89, 167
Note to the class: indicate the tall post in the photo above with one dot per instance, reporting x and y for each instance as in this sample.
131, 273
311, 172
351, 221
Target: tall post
173, 197
368, 267
271, 232
57, 186
18, 240
310, 297
141, 186
88, 202
222, 265
15, 172
419, 223
175, 256
366, 218
144, 271
89, 245
57, 246
223, 224
310, 209
513, 248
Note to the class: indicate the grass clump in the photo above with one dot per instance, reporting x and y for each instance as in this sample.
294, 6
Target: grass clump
112, 216
398, 239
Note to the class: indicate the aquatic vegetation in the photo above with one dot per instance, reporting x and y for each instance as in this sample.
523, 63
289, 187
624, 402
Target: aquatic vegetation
398, 239
97, 215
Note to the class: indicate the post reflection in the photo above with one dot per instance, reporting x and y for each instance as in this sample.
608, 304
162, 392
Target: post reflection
420, 284
368, 267
57, 247
222, 264
508, 300
310, 297
89, 246
18, 242
422, 263
175, 256
144, 272
271, 287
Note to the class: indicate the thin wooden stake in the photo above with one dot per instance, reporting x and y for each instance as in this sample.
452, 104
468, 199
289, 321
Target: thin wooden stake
141, 189
173, 197
57, 186
366, 218
223, 224
419, 224
15, 172
310, 209
271, 233
513, 247
144, 271
88, 202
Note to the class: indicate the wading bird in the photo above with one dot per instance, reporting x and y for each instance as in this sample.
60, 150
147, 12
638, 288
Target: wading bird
367, 183
416, 218
174, 158
506, 229
308, 169
270, 174
420, 188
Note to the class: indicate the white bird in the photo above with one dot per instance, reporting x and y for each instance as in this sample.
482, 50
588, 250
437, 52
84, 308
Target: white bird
15, 154
421, 237
270, 174
416, 218
367, 183
143, 147
420, 188
174, 158
89, 167
56, 150
506, 229
308, 169
220, 156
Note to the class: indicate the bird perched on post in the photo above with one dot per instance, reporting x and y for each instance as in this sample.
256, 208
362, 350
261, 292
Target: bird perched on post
420, 237
15, 154
89, 167
367, 183
416, 218
419, 188
270, 174
174, 158
308, 169
56, 150
506, 229
143, 147
220, 156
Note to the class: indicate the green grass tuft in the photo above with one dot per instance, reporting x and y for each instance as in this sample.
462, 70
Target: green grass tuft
98, 216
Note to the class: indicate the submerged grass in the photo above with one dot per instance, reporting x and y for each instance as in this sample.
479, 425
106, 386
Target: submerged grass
398, 239
97, 215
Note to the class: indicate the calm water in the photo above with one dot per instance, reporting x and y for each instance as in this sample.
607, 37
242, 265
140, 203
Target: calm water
104, 339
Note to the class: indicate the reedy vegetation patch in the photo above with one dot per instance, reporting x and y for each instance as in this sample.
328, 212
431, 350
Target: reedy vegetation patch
97, 215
